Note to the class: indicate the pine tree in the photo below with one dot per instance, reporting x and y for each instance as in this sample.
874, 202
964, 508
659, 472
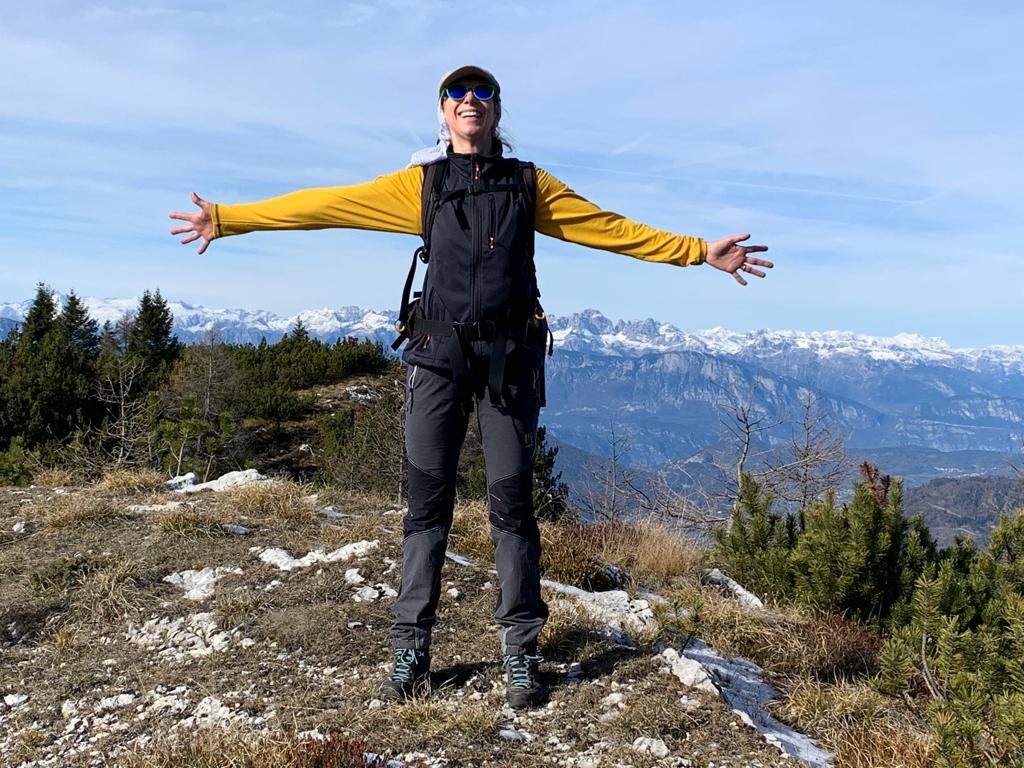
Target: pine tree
32, 397
151, 341
550, 494
757, 546
77, 347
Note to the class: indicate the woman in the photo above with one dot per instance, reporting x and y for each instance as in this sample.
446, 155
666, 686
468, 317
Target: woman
476, 339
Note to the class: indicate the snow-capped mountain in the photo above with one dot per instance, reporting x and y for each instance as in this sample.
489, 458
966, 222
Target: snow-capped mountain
588, 331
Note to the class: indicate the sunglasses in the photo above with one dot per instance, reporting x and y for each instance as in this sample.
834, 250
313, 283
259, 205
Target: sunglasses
481, 91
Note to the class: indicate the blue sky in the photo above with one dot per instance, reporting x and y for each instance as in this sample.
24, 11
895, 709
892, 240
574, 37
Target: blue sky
877, 148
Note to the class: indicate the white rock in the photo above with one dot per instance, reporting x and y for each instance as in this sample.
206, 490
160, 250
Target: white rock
453, 593
20, 527
198, 585
329, 511
649, 746
68, 708
352, 576
511, 734
613, 700
691, 673
235, 529
744, 596
15, 699
115, 702
365, 594
284, 561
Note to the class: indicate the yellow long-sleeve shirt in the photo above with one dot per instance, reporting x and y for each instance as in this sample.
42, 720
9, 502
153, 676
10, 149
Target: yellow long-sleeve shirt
391, 203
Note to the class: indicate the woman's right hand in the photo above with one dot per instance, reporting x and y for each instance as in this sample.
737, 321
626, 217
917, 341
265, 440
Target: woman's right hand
199, 224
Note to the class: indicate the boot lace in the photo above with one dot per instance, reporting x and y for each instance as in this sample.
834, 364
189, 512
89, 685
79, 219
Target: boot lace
405, 661
522, 667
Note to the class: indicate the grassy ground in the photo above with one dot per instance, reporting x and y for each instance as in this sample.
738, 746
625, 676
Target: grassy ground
288, 653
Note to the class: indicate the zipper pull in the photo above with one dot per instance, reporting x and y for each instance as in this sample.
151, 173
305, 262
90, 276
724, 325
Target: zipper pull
490, 242
476, 171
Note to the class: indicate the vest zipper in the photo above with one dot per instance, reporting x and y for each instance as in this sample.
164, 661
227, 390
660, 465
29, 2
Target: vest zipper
490, 237
477, 246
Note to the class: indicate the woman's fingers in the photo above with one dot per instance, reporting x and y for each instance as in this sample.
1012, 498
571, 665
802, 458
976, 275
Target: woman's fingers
179, 230
203, 247
761, 263
739, 278
187, 240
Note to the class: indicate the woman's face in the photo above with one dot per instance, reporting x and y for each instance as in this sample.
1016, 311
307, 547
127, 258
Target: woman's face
470, 121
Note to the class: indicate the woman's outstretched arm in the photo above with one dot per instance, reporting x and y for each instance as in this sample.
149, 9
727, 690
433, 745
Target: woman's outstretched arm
389, 203
566, 215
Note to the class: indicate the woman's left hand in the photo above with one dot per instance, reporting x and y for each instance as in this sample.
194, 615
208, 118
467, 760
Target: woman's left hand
729, 256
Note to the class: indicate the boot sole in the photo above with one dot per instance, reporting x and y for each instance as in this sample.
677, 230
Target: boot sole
525, 699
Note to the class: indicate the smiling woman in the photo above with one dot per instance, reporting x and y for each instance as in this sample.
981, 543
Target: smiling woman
477, 337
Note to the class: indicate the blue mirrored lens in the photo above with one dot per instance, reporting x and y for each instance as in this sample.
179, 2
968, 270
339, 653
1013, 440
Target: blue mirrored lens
483, 91
457, 91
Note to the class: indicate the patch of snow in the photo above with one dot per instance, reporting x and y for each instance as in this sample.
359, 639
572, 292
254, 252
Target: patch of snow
453, 593
386, 589
181, 481
224, 482
198, 585
20, 527
329, 511
690, 672
15, 699
365, 594
284, 561
457, 558
742, 686
235, 529
352, 576
141, 509
744, 596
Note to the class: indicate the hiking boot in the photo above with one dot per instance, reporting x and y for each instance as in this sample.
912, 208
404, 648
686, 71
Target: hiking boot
525, 688
412, 670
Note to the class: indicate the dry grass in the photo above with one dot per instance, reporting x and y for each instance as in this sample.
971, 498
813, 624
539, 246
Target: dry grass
436, 720
190, 523
280, 500
782, 640
95, 587
65, 640
55, 477
862, 727
125, 482
71, 510
471, 531
235, 748
569, 632
648, 550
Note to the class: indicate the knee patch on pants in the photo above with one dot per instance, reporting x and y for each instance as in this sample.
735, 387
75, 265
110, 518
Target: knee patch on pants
431, 501
511, 502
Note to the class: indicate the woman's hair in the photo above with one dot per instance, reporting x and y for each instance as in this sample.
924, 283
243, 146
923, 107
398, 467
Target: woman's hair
498, 136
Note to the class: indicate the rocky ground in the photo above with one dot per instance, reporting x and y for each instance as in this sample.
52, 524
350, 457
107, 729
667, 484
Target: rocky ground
141, 626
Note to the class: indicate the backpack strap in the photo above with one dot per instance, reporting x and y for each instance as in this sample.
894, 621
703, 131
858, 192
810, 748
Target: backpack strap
430, 201
525, 182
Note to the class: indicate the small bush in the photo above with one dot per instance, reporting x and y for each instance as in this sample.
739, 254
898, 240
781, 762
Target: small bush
281, 500
71, 510
124, 482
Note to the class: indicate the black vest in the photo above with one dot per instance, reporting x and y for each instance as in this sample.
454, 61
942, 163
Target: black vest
480, 270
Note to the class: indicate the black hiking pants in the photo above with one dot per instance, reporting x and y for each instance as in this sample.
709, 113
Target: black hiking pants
437, 416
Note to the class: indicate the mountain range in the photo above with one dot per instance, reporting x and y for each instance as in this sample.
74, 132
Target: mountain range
928, 407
